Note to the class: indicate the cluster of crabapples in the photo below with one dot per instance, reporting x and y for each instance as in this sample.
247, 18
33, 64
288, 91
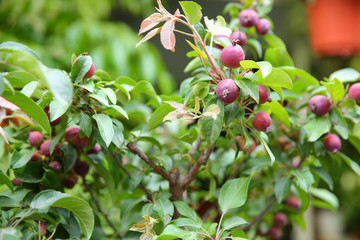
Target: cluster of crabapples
53, 159
320, 105
280, 219
231, 56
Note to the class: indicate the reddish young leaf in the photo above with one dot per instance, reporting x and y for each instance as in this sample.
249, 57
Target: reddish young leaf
150, 22
149, 35
167, 36
161, 8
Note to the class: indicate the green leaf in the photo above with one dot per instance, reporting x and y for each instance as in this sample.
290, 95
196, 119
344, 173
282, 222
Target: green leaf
120, 110
325, 195
249, 64
60, 85
316, 127
14, 46
278, 57
146, 88
165, 209
274, 41
187, 222
232, 111
20, 159
280, 112
80, 68
105, 126
201, 53
248, 87
271, 155
6, 180
277, 78
192, 11
304, 178
352, 164
85, 124
79, 207
100, 96
186, 211
265, 68
172, 232
256, 45
234, 222
156, 118
210, 129
335, 88
111, 94
201, 89
233, 193
28, 106
346, 75
10, 234
70, 157
308, 78
324, 175
57, 109
282, 187
19, 79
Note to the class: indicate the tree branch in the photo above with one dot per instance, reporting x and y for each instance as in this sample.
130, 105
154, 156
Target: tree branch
191, 174
145, 158
141, 186
259, 217
87, 187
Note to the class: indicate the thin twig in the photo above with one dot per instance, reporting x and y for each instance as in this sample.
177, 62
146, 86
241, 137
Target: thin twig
101, 210
141, 186
145, 158
52, 234
259, 217
191, 174
185, 33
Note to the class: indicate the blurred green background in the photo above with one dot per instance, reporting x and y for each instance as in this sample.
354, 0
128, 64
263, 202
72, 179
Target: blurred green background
107, 30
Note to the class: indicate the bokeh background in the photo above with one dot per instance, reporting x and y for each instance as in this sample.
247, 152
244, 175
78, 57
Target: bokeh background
107, 30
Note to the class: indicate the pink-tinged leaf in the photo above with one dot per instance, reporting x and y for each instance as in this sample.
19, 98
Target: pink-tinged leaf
167, 36
2, 133
150, 22
149, 35
177, 13
161, 7
8, 105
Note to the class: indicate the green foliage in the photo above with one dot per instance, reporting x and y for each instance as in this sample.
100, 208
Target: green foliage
133, 161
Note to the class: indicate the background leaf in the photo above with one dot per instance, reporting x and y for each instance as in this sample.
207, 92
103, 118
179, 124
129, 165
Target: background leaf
233, 193
192, 11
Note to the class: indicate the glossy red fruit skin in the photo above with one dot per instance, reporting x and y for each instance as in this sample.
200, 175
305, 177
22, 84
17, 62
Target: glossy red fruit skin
354, 92
16, 182
35, 157
95, 150
55, 165
280, 220
263, 94
72, 135
81, 168
293, 202
238, 37
263, 26
56, 121
35, 138
332, 143
275, 233
242, 141
232, 55
43, 229
319, 105
70, 181
227, 91
262, 122
248, 17
45, 148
